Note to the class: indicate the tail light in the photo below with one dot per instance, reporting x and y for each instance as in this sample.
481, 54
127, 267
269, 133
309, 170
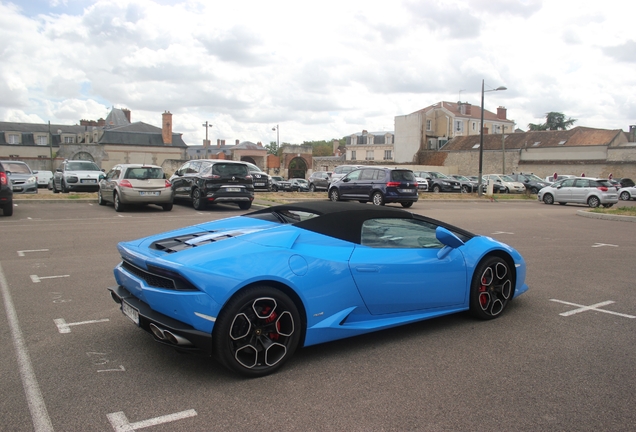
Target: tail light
248, 177
212, 176
602, 188
393, 184
125, 183
3, 178
168, 184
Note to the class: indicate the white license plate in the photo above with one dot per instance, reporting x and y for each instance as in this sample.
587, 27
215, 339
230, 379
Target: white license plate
259, 184
455, 187
149, 193
406, 190
232, 189
89, 181
130, 312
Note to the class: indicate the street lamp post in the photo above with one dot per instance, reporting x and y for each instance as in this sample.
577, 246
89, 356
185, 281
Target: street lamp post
277, 136
206, 143
481, 136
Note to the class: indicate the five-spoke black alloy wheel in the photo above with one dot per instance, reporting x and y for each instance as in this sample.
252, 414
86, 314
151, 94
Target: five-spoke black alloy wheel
491, 289
257, 331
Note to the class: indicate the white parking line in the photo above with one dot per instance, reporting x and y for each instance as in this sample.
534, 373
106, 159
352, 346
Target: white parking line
594, 307
64, 327
22, 252
39, 414
120, 423
603, 244
37, 279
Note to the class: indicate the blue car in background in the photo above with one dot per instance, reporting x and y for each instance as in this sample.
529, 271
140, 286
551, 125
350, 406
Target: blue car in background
249, 290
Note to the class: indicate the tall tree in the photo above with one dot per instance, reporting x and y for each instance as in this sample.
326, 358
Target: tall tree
554, 121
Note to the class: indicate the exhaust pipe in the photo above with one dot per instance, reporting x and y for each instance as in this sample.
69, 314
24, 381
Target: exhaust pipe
165, 335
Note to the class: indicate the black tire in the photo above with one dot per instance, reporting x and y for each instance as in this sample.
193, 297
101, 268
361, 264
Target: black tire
377, 198
7, 209
607, 205
312, 188
562, 203
245, 205
166, 207
491, 289
548, 198
465, 189
119, 207
197, 200
505, 190
257, 331
534, 190
274, 188
407, 204
593, 201
625, 196
55, 189
100, 198
334, 195
63, 186
436, 188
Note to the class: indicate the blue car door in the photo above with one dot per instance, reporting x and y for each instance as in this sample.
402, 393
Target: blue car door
397, 268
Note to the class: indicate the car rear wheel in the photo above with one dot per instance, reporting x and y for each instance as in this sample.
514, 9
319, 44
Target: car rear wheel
593, 201
312, 188
377, 198
7, 210
625, 196
407, 204
100, 198
491, 288
607, 205
548, 199
119, 207
334, 195
245, 205
166, 207
197, 200
257, 331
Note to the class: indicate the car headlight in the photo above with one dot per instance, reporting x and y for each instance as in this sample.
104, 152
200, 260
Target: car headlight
445, 182
32, 179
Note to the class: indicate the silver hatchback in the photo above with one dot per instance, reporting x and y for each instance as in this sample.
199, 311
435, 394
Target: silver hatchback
580, 190
135, 184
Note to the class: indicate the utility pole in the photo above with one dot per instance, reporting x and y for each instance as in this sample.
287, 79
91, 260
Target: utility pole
503, 150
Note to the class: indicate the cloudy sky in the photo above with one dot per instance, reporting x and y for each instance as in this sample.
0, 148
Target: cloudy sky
319, 70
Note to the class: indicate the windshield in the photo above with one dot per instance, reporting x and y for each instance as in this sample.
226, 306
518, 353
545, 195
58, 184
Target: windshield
462, 178
82, 166
437, 175
507, 178
17, 168
533, 177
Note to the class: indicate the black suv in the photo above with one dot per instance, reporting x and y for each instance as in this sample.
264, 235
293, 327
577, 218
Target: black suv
6, 193
438, 182
212, 181
378, 185
319, 180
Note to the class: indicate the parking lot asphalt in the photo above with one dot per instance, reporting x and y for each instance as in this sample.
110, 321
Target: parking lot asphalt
560, 358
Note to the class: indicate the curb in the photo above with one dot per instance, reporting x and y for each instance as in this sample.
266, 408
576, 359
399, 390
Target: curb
591, 215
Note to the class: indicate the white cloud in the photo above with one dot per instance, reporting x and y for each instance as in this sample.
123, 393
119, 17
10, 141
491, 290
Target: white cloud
319, 70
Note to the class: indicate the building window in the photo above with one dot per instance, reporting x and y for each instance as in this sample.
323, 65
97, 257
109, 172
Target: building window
369, 155
431, 144
41, 140
459, 126
388, 155
69, 140
353, 155
474, 126
14, 139
429, 125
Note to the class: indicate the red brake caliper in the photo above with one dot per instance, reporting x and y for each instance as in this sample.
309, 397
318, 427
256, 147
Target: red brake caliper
483, 300
271, 319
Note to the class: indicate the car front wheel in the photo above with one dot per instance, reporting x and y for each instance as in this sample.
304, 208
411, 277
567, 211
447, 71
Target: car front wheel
312, 188
257, 331
593, 201
491, 288
548, 199
625, 196
334, 195
436, 189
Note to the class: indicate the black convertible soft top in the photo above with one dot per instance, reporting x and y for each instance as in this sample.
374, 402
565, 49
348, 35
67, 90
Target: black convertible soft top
343, 220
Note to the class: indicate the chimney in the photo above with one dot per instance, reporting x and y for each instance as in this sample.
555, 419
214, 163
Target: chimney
166, 129
467, 108
218, 143
501, 113
260, 144
236, 142
101, 122
632, 133
127, 114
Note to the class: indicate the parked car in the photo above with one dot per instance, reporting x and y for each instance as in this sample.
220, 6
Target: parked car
551, 179
467, 185
342, 170
213, 181
298, 185
77, 176
626, 182
135, 184
6, 193
496, 187
508, 185
627, 193
378, 185
438, 182
422, 183
319, 180
251, 290
262, 180
20, 176
532, 182
43, 177
580, 190
278, 183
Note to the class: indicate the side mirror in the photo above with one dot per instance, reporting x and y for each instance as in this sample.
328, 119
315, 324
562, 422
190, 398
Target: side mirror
346, 179
448, 239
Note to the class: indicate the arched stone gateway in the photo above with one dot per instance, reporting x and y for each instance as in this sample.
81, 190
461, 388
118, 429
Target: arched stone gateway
82, 155
297, 168
248, 159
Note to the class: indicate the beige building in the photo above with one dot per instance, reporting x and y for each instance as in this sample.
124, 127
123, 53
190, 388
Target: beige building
432, 127
366, 147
